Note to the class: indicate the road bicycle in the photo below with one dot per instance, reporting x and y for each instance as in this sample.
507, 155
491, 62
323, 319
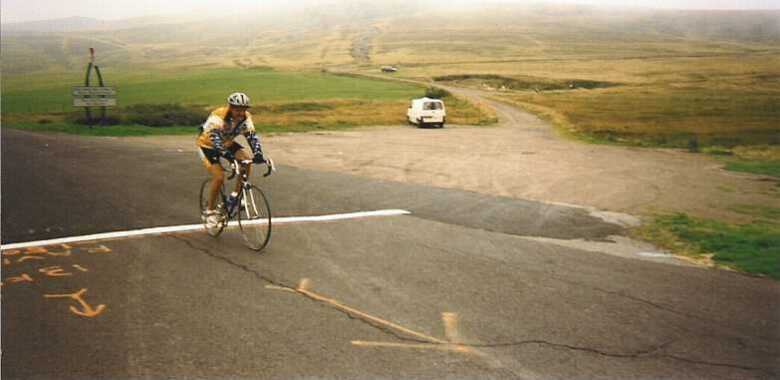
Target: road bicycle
251, 210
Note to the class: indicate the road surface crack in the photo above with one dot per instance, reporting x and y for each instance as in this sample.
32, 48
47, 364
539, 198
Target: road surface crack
260, 276
655, 352
637, 354
233, 263
618, 293
668, 309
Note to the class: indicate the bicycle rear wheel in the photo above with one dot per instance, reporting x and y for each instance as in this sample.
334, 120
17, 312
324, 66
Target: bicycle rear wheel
254, 218
213, 230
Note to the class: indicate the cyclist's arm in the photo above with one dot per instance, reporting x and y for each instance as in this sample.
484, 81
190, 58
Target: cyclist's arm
216, 139
251, 137
213, 129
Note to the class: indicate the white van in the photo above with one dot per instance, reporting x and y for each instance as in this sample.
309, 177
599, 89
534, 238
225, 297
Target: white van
426, 111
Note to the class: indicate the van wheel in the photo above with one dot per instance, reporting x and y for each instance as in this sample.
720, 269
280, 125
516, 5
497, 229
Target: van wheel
441, 125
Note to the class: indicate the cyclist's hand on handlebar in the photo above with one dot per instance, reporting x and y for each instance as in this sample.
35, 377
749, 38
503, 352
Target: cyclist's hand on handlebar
259, 159
271, 167
229, 155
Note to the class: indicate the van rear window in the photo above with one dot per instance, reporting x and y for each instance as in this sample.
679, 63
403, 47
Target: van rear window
432, 106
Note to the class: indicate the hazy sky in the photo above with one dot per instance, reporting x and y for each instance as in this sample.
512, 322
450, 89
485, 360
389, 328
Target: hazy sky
27, 10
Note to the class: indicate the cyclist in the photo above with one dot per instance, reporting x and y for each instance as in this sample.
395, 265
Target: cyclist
217, 139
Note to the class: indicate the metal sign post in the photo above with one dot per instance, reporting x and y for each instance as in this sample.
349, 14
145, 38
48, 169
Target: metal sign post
86, 96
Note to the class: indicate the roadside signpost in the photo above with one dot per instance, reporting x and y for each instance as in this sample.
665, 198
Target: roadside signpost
94, 96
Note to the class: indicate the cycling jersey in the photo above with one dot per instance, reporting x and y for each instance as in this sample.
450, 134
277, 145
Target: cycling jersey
219, 130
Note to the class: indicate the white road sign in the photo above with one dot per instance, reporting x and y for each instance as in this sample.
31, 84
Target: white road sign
85, 96
94, 102
82, 91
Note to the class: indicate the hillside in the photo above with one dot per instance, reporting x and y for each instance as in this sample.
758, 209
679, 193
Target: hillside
362, 32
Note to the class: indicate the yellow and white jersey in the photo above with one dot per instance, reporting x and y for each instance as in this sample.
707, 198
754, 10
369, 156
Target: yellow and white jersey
220, 130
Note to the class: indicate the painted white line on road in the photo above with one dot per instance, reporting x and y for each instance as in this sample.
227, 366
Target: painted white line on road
195, 227
654, 254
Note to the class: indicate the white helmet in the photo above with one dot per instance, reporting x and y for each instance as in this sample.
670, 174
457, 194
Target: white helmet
238, 99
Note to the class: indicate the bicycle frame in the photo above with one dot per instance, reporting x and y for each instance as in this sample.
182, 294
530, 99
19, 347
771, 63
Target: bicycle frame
235, 169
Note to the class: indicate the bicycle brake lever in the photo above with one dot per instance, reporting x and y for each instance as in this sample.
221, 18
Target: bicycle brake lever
271, 168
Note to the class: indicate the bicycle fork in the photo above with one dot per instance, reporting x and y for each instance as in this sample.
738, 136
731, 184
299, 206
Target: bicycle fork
248, 200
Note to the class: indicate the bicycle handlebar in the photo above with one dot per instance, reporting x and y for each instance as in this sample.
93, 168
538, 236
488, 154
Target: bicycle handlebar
269, 163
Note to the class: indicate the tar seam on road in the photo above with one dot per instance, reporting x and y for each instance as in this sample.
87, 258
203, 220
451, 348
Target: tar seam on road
195, 227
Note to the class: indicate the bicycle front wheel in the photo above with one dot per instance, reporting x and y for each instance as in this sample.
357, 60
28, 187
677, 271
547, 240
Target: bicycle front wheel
254, 218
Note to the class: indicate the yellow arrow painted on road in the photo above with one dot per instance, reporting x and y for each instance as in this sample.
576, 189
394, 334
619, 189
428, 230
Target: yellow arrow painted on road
87, 310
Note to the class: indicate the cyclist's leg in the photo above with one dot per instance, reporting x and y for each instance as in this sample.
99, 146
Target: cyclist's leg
241, 154
210, 159
216, 183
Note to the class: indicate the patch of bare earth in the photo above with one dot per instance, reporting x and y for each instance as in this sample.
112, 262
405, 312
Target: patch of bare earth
522, 157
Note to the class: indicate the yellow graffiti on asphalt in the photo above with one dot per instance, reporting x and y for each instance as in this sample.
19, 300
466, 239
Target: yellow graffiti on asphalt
12, 256
99, 249
54, 271
453, 342
20, 260
36, 251
21, 278
86, 309
419, 346
451, 327
25, 258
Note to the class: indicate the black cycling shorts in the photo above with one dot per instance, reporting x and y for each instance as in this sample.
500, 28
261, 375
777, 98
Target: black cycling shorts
212, 155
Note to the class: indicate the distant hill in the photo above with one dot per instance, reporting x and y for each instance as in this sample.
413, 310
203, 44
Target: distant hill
80, 24
320, 33
52, 26
739, 26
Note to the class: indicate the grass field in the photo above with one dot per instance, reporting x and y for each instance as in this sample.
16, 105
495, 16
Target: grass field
720, 101
292, 101
669, 117
750, 247
51, 93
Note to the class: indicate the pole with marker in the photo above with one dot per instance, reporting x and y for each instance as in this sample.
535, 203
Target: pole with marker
92, 65
86, 83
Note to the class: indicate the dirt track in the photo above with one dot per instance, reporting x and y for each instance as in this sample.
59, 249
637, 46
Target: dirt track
523, 157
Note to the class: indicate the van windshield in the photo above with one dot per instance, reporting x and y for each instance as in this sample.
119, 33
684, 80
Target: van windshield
432, 106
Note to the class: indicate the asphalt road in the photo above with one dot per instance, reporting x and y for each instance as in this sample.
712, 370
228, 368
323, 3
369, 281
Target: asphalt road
453, 290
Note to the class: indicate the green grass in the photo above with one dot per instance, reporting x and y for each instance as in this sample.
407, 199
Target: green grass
752, 248
284, 101
523, 82
770, 168
42, 93
112, 130
768, 213
665, 116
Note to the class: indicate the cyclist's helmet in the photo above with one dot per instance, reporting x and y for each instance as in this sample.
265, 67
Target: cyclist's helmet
238, 99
